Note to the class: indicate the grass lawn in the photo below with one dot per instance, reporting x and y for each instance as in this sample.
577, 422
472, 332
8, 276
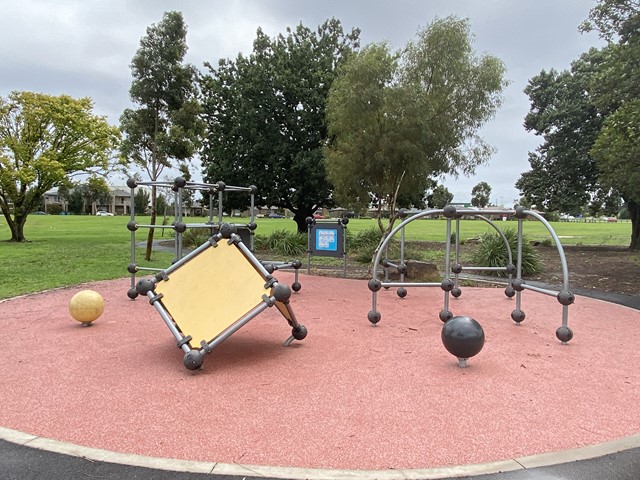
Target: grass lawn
67, 250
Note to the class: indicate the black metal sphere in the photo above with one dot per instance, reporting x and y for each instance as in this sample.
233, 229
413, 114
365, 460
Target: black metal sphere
193, 359
180, 182
299, 333
402, 213
221, 186
180, 227
252, 226
520, 212
253, 189
402, 292
227, 230
445, 315
296, 264
345, 221
269, 267
132, 183
517, 285
373, 316
447, 285
518, 316
282, 293
309, 220
509, 291
511, 269
449, 211
375, 284
566, 298
402, 269
456, 292
296, 286
132, 293
144, 286
132, 226
463, 337
457, 268
564, 334
385, 263
132, 268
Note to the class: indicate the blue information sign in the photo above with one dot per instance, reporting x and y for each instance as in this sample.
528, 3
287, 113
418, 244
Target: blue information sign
327, 239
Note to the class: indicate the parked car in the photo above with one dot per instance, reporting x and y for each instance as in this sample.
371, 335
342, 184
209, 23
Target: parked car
275, 215
102, 213
39, 212
318, 216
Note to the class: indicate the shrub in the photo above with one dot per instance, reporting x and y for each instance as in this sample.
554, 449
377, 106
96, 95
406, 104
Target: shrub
194, 237
282, 242
491, 252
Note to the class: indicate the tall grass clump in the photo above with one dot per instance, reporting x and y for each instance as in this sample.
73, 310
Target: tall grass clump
282, 242
491, 252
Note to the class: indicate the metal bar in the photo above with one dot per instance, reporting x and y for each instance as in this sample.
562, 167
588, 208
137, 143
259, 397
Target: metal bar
410, 284
168, 320
546, 291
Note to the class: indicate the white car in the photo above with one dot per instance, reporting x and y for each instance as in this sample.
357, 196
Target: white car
102, 213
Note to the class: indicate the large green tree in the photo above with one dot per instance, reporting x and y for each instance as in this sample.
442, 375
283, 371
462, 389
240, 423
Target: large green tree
265, 116
166, 127
44, 140
400, 119
617, 86
563, 175
481, 195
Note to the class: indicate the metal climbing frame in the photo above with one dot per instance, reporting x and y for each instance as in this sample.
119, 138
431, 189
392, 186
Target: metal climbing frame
245, 231
515, 286
209, 294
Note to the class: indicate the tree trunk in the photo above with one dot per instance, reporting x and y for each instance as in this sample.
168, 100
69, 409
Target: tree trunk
300, 217
147, 255
634, 211
17, 228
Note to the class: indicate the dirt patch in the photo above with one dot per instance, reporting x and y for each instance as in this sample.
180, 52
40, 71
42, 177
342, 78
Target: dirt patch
602, 268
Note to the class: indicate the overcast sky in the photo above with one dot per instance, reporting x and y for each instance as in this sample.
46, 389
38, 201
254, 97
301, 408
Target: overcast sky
84, 48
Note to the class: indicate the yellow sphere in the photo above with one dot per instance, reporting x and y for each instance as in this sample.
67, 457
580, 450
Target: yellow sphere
86, 306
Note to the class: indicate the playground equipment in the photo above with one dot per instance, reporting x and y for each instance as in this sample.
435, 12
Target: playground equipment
209, 294
463, 337
327, 238
179, 226
515, 286
86, 306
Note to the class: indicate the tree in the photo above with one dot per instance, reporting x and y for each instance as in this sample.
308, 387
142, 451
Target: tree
44, 140
617, 146
617, 151
440, 197
166, 127
265, 116
563, 174
398, 120
96, 190
480, 195
141, 201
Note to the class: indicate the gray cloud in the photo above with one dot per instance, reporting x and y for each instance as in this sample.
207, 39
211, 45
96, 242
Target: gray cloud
84, 48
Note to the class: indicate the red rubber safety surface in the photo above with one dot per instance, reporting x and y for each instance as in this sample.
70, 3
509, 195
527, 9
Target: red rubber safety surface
349, 396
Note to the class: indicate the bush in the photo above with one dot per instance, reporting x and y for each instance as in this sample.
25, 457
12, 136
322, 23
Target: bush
194, 237
282, 242
491, 252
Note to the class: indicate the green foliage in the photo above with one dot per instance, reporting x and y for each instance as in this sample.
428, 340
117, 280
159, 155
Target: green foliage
194, 237
481, 195
44, 140
167, 126
282, 242
141, 201
399, 119
265, 116
491, 252
439, 198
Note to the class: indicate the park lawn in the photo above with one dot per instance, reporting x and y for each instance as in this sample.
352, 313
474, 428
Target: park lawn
68, 250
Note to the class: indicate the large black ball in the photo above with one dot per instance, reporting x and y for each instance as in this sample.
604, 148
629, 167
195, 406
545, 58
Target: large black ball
462, 337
